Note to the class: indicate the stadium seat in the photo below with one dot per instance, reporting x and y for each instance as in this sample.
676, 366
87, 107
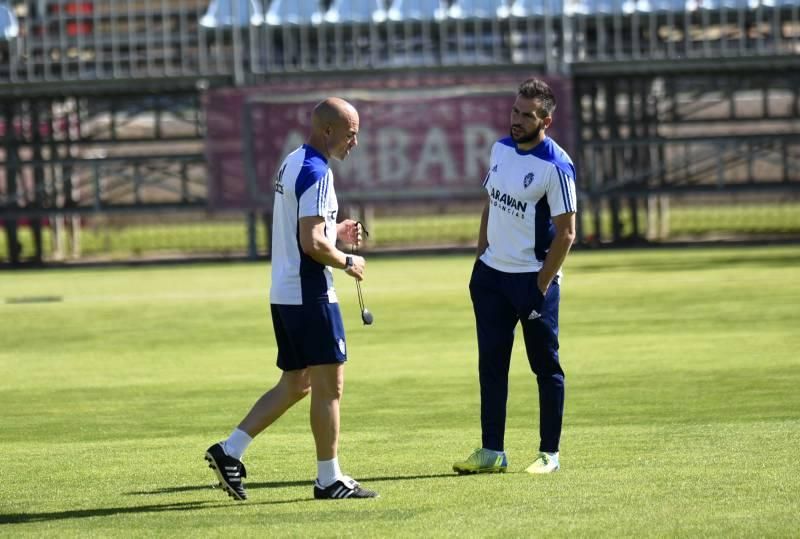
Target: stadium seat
537, 7
634, 6
222, 13
511, 8
667, 5
294, 12
478, 9
417, 10
607, 6
354, 11
9, 27
694, 5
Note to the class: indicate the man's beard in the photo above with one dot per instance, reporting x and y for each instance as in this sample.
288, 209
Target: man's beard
528, 137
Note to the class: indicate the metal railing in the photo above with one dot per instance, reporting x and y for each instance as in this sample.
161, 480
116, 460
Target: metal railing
85, 40
110, 184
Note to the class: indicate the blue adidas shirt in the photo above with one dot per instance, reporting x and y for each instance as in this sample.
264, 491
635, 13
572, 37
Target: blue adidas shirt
304, 188
526, 189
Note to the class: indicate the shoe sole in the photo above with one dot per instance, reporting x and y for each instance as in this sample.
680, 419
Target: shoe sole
554, 470
349, 498
222, 483
461, 471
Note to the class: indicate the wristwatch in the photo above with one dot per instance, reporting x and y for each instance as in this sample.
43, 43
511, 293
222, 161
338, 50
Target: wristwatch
348, 262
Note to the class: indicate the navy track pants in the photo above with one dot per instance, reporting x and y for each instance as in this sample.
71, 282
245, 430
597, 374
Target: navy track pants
501, 300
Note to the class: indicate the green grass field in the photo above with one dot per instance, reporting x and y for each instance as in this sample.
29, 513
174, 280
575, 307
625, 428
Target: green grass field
682, 418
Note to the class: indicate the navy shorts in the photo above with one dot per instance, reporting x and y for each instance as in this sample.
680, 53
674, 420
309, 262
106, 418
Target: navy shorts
308, 335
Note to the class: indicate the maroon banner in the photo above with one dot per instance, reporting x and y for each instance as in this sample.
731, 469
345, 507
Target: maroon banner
420, 141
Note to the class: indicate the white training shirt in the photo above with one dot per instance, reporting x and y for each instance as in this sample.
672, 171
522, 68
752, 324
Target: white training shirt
526, 189
304, 188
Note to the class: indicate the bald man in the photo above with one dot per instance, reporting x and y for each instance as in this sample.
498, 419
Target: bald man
308, 325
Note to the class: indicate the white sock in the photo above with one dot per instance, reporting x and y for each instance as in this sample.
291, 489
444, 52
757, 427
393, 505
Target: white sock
553, 456
328, 472
236, 444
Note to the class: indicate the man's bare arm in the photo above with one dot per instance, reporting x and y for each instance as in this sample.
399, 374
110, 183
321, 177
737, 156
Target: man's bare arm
562, 241
483, 240
316, 245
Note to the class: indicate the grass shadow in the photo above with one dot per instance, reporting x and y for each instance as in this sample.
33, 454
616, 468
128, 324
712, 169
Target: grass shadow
30, 518
283, 484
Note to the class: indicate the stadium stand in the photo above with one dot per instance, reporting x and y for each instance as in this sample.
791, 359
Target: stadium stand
104, 39
9, 27
417, 10
358, 11
669, 95
479, 9
294, 12
528, 8
238, 13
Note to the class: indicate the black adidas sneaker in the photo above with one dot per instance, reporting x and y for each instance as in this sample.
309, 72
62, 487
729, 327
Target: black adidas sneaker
230, 471
346, 487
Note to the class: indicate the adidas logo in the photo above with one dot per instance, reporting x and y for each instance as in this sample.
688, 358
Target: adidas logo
534, 315
342, 492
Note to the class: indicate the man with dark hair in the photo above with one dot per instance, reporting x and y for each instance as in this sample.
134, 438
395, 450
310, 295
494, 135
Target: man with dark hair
527, 228
305, 311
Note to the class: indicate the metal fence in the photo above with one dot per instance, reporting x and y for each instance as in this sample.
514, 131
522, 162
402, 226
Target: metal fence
65, 40
149, 234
